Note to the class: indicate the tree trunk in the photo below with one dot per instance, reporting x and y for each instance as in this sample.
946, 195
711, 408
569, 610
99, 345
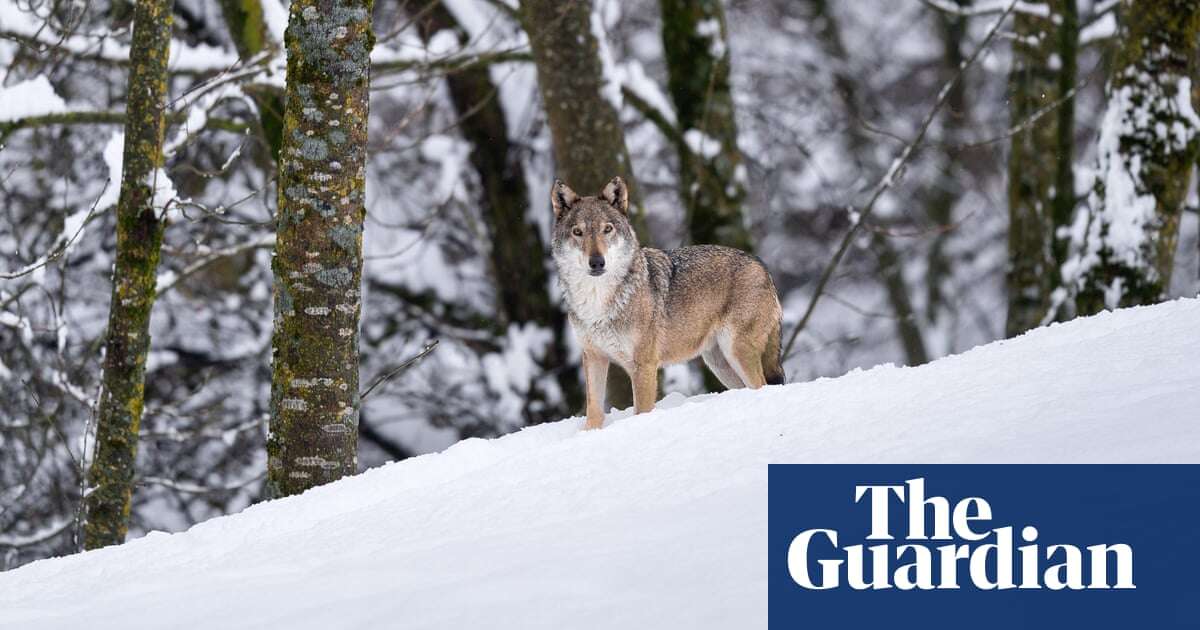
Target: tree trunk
711, 178
1035, 195
890, 267
589, 144
248, 30
139, 239
318, 248
892, 271
518, 256
1123, 244
946, 192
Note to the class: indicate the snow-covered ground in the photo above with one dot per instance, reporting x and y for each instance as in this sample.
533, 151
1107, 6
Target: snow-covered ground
656, 521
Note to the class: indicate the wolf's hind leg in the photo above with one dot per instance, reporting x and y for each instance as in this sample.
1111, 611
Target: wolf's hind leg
746, 358
716, 362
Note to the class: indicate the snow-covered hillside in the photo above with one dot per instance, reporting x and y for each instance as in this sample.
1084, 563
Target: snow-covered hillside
656, 521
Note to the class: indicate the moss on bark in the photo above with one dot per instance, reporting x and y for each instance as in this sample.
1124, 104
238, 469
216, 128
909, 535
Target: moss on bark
318, 248
139, 239
1152, 145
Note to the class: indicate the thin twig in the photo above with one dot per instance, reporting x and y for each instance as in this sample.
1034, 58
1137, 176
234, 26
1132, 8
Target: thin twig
62, 245
889, 178
400, 368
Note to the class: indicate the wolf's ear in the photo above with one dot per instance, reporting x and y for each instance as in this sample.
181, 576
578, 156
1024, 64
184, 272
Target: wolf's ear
617, 194
561, 197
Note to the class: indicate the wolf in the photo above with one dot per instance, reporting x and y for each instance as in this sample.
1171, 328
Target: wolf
642, 308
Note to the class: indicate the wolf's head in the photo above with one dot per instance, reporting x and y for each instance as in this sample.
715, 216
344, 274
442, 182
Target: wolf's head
592, 235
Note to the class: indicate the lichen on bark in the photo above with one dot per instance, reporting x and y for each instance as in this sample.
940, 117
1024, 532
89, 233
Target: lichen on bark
318, 249
139, 239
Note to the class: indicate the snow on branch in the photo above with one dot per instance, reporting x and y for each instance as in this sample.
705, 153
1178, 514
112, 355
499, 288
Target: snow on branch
73, 226
169, 279
193, 488
988, 8
30, 30
41, 535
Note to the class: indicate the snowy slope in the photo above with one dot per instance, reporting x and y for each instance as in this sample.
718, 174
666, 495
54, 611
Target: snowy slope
655, 521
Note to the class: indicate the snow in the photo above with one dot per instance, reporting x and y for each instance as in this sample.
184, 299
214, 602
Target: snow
701, 144
631, 74
450, 154
511, 372
114, 159
35, 97
1121, 218
710, 29
657, 520
200, 58
1103, 28
604, 17
275, 14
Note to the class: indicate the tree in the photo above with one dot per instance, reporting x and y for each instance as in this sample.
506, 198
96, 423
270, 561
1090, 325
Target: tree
318, 248
139, 239
589, 144
518, 255
944, 194
1123, 242
1041, 186
711, 174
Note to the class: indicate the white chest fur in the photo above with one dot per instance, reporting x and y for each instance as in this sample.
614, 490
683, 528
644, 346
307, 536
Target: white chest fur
595, 303
602, 335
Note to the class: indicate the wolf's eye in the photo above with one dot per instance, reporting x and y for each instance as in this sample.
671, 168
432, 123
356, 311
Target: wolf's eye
608, 228
577, 232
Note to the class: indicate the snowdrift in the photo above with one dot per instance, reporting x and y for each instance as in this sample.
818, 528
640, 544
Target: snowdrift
656, 521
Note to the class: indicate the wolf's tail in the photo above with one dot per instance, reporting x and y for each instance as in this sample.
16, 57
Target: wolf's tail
772, 361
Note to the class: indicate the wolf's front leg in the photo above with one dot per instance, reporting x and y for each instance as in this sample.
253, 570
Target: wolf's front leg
595, 372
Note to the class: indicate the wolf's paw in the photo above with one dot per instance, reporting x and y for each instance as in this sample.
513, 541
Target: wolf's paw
593, 424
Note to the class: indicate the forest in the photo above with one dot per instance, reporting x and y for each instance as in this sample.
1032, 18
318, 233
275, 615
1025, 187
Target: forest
248, 247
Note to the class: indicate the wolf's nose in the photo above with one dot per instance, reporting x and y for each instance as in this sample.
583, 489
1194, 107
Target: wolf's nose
596, 262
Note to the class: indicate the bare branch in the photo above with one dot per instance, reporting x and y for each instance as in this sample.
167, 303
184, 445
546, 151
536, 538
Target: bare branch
400, 368
889, 178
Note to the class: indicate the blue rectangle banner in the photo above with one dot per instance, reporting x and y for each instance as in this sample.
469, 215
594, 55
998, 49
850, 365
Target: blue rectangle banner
984, 546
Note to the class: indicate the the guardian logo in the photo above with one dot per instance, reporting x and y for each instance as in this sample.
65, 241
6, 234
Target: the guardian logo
973, 553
